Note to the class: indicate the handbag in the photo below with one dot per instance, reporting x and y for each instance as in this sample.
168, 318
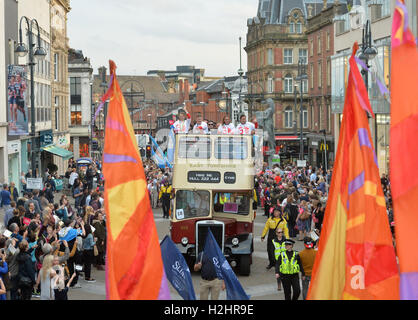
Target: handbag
95, 251
25, 282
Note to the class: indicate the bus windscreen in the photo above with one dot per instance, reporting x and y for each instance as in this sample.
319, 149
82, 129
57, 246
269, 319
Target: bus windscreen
192, 204
234, 203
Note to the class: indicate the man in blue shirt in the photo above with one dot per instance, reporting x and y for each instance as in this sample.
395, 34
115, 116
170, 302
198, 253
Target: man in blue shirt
6, 197
209, 282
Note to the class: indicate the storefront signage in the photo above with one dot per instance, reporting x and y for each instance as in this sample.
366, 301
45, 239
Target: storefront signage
46, 138
204, 177
230, 177
301, 163
34, 183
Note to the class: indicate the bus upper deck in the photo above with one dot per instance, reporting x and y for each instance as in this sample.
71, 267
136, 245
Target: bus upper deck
227, 162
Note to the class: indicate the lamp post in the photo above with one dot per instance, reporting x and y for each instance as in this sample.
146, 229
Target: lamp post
91, 118
296, 107
368, 52
324, 132
103, 84
149, 118
301, 76
39, 53
240, 73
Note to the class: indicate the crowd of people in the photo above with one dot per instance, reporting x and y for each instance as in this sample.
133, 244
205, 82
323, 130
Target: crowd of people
50, 243
294, 202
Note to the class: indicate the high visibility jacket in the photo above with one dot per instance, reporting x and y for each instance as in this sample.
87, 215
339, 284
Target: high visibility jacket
222, 200
278, 248
289, 266
273, 224
165, 192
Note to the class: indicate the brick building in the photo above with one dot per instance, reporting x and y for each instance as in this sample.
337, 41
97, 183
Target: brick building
276, 42
320, 33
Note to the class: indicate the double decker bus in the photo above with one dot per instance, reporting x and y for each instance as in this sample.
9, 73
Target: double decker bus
213, 181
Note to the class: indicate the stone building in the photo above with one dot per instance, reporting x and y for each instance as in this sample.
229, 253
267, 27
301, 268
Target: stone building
80, 74
276, 42
59, 76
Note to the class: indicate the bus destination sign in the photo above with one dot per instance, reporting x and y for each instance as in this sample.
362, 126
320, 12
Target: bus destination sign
204, 177
230, 177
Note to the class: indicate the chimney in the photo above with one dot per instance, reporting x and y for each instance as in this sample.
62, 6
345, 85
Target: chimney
186, 89
325, 5
181, 91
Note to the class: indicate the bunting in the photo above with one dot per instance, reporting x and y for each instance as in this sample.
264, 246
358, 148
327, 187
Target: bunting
404, 149
356, 258
134, 267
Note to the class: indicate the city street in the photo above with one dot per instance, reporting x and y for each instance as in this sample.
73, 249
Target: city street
260, 285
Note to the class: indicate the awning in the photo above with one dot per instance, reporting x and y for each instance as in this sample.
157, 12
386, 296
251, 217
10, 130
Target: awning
60, 152
287, 137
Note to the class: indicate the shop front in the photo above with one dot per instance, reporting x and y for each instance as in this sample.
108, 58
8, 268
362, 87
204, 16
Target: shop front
13, 151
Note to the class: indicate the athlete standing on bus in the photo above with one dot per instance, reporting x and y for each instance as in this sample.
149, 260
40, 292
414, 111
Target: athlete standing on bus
182, 125
200, 126
227, 127
244, 127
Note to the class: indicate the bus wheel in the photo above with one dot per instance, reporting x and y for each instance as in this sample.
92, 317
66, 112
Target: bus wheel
245, 265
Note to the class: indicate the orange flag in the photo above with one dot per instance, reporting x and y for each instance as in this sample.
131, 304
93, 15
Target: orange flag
134, 267
404, 149
356, 258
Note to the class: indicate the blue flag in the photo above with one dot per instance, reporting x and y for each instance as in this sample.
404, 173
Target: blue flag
171, 146
157, 155
234, 290
176, 269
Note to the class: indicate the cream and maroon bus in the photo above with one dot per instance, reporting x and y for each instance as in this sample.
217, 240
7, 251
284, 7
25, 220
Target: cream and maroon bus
213, 182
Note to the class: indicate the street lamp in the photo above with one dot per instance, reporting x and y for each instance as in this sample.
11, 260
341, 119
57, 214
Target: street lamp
301, 77
40, 54
368, 52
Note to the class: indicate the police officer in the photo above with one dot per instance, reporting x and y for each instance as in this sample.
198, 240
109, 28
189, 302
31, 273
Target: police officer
279, 247
272, 224
166, 195
288, 266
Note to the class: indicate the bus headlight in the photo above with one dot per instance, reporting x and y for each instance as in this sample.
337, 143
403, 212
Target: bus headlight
184, 241
235, 241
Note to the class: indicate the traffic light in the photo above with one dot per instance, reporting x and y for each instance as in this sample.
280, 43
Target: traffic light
148, 152
142, 152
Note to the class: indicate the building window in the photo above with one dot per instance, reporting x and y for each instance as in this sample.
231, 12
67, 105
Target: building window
288, 117
319, 74
75, 115
292, 27
305, 117
288, 56
288, 84
269, 56
328, 73
270, 84
303, 55
328, 41
56, 57
311, 47
305, 85
312, 76
75, 89
299, 27
57, 119
319, 44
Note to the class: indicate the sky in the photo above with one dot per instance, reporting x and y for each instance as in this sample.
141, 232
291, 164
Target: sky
142, 35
